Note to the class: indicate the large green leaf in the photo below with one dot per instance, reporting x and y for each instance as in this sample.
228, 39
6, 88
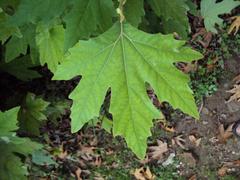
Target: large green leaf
8, 122
124, 58
9, 5
210, 11
30, 11
134, 11
11, 166
17, 46
32, 114
50, 43
7, 30
174, 14
85, 17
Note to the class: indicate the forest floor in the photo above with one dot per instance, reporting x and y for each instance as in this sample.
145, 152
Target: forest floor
180, 148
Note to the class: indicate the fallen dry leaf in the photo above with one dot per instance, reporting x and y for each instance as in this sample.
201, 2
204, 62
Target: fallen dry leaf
227, 166
98, 177
213, 64
143, 174
194, 140
87, 149
207, 37
154, 98
156, 152
98, 161
63, 153
178, 140
94, 141
222, 171
237, 79
224, 135
193, 177
235, 163
235, 93
169, 129
188, 67
165, 126
78, 174
235, 25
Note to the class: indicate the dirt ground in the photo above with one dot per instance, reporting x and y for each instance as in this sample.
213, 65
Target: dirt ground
212, 154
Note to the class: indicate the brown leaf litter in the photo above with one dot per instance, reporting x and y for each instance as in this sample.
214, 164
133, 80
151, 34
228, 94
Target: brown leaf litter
143, 174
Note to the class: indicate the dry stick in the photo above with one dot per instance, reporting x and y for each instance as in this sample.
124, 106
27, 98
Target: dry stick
201, 107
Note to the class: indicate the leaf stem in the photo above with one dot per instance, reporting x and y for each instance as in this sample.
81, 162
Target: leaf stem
120, 10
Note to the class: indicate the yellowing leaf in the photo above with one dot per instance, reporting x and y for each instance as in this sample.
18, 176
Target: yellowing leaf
235, 25
124, 59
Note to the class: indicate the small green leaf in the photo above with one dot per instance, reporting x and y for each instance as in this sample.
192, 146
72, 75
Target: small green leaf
42, 158
56, 109
32, 114
210, 10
